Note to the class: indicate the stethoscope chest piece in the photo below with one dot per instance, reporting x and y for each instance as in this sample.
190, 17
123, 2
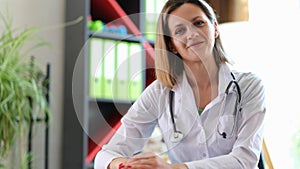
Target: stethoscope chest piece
176, 136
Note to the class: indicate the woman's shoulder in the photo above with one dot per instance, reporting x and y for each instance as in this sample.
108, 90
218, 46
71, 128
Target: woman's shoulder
155, 87
251, 84
156, 84
246, 77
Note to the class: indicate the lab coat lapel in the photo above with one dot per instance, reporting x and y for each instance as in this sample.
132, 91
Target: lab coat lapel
186, 113
224, 78
186, 96
212, 110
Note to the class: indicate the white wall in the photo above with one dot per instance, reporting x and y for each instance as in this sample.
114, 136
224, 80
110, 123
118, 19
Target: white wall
268, 45
48, 15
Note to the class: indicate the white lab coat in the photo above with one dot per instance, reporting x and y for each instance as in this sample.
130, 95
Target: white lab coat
202, 146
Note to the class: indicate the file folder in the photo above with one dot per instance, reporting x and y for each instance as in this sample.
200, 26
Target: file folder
116, 69
136, 71
109, 68
122, 72
96, 77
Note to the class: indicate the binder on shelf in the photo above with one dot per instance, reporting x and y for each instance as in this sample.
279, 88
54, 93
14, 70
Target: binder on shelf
135, 71
122, 72
116, 69
96, 76
109, 68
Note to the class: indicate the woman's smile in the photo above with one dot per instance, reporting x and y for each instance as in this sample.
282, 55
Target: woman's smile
193, 44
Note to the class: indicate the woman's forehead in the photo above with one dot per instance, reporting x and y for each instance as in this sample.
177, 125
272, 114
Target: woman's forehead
186, 13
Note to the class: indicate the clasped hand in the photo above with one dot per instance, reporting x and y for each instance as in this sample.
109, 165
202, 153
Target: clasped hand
144, 161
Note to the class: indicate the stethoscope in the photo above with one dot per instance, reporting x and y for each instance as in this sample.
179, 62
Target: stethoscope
177, 135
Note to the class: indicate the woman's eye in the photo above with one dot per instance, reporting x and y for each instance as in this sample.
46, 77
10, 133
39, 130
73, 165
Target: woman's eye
179, 31
198, 23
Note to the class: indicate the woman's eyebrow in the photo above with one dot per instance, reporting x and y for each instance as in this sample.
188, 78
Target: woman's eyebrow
197, 17
181, 23
178, 25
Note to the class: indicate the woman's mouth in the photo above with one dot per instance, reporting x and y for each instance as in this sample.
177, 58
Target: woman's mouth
193, 44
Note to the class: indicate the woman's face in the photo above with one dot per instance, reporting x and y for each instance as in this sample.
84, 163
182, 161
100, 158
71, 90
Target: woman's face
192, 33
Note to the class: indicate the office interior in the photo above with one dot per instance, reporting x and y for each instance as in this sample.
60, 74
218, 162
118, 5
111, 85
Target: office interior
260, 35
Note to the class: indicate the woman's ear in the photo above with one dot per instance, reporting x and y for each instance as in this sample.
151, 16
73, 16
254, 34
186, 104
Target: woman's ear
216, 29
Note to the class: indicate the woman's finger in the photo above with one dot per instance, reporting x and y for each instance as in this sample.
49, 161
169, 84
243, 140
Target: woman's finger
145, 154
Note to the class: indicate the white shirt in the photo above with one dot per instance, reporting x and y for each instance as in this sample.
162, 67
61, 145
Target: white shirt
203, 147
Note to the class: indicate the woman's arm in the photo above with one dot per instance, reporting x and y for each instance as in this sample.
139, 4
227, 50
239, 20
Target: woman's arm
146, 160
137, 126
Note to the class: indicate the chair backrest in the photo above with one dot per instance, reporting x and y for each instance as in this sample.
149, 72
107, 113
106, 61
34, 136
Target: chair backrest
261, 164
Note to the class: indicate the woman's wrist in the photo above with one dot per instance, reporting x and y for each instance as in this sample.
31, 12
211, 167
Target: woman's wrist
114, 164
179, 166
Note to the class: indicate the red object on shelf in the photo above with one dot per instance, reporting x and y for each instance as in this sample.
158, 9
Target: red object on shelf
95, 148
110, 10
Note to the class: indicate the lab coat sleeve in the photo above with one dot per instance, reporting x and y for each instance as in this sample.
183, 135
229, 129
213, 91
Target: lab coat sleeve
137, 126
247, 147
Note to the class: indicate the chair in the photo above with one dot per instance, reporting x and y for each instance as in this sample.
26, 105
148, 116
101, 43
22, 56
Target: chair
261, 164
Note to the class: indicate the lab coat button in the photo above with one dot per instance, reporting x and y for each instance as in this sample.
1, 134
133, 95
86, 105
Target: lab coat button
204, 154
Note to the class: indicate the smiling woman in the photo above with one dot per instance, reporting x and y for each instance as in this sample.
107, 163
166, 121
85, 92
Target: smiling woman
189, 27
192, 74
193, 37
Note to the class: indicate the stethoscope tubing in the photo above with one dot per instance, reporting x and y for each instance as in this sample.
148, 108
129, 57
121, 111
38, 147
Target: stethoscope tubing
171, 95
178, 135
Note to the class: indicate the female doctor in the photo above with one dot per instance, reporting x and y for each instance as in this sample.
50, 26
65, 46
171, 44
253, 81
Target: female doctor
210, 116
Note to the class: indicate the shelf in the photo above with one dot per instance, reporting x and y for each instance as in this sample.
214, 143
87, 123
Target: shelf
109, 11
129, 37
85, 133
104, 120
116, 101
95, 147
114, 13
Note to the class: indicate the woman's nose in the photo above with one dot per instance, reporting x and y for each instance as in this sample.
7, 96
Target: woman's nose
192, 33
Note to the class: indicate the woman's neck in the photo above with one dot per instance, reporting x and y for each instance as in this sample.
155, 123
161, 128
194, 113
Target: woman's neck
204, 82
202, 75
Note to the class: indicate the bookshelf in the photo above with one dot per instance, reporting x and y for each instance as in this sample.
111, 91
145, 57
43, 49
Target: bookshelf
81, 120
90, 120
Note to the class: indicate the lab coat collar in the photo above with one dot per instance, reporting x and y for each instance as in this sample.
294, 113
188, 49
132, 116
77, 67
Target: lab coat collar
224, 78
184, 87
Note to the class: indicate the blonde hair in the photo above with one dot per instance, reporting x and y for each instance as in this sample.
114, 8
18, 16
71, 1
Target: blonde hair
169, 66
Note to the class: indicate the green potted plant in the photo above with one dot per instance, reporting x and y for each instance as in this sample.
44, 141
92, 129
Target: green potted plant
22, 94
295, 148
